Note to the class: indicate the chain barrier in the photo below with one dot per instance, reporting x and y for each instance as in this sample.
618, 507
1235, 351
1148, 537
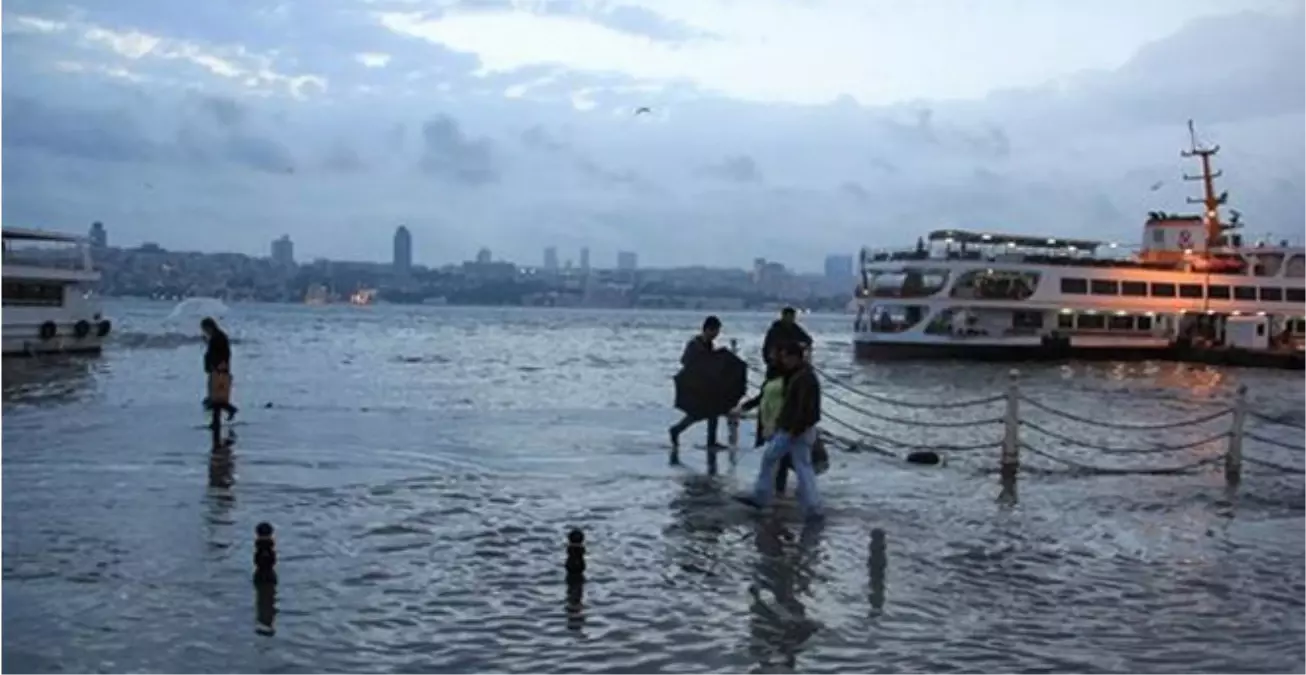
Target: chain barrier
938, 424
1078, 467
1272, 442
1110, 450
908, 404
1261, 417
1128, 427
862, 440
1281, 468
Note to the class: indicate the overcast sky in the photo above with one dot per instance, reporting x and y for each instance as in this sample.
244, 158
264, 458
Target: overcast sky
786, 129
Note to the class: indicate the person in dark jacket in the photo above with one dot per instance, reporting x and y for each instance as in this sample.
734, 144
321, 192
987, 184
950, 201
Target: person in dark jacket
217, 359
698, 346
784, 330
795, 432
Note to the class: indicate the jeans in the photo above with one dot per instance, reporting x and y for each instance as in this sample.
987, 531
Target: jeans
685, 422
799, 450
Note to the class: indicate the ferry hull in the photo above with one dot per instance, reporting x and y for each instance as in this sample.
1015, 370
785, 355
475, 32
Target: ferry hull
1061, 351
23, 346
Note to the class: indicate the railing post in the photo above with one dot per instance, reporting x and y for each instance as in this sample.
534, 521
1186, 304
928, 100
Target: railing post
732, 420
1011, 428
1233, 457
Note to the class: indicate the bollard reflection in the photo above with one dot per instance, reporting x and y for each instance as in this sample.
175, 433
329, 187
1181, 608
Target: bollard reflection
265, 608
779, 628
698, 523
877, 563
1008, 496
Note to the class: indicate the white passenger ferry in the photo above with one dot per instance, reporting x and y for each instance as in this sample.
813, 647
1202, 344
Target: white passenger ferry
49, 304
1193, 291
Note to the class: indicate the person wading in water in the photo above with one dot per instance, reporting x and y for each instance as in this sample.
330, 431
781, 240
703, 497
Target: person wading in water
795, 433
783, 330
217, 364
768, 404
699, 346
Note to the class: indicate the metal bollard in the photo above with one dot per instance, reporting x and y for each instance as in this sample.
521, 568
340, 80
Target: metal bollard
1011, 429
265, 555
575, 564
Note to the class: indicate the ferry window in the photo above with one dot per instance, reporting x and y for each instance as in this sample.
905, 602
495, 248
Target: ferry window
1271, 294
1120, 323
1144, 323
1244, 292
1105, 287
1021, 320
1158, 236
1190, 291
1065, 321
1163, 290
1295, 294
26, 293
1074, 286
1133, 288
1092, 321
1217, 292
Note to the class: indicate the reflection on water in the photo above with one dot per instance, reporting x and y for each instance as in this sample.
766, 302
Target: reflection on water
48, 379
422, 466
779, 625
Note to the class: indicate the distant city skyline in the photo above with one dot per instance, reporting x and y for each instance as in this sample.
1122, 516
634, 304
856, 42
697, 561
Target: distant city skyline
402, 257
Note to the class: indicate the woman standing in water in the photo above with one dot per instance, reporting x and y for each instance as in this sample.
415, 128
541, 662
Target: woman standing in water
217, 365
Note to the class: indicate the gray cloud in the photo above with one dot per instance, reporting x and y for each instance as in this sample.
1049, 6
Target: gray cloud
540, 139
448, 152
628, 19
855, 191
1006, 161
736, 168
343, 158
112, 135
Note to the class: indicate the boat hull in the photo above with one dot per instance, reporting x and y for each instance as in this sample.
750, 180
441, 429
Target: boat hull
882, 350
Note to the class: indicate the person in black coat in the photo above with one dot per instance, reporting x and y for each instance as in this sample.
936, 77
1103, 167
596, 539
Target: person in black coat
217, 358
698, 346
784, 330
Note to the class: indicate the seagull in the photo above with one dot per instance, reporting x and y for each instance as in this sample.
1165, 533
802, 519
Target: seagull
642, 110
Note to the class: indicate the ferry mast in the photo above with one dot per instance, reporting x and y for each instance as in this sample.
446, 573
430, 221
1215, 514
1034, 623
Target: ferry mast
1211, 201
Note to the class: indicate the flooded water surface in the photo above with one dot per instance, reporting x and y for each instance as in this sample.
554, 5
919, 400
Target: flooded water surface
422, 467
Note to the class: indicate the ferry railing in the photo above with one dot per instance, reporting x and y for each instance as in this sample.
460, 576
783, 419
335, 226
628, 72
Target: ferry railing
1032, 433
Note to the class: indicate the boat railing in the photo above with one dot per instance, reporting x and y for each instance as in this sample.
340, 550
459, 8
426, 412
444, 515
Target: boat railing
60, 258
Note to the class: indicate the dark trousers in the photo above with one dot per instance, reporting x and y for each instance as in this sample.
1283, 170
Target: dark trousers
688, 420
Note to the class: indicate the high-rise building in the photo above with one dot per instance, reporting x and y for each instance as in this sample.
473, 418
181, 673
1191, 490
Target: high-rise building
551, 259
283, 250
838, 267
483, 256
585, 259
98, 236
627, 260
403, 256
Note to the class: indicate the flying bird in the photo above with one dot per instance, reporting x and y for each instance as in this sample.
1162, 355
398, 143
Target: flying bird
642, 110
1157, 185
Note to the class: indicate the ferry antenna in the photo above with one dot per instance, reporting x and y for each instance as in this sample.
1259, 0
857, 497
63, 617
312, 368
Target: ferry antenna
1209, 199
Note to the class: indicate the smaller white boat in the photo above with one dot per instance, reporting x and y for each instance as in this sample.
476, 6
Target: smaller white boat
49, 294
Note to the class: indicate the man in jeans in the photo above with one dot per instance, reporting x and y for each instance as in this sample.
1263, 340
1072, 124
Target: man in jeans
697, 347
795, 434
